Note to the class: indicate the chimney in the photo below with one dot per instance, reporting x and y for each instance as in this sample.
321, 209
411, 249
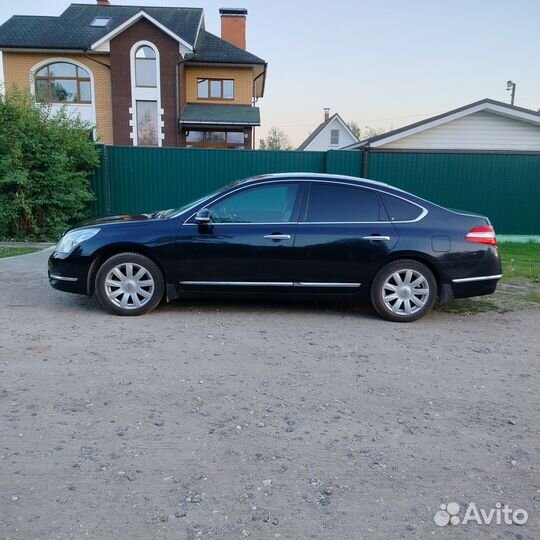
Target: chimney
103, 3
233, 26
326, 114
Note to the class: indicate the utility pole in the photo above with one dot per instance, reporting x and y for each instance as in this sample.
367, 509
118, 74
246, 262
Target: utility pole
511, 86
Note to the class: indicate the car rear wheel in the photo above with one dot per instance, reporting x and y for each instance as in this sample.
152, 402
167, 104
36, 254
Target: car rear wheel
129, 284
404, 291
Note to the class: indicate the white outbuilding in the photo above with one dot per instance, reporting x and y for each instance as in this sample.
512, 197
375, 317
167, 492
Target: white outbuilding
485, 125
332, 134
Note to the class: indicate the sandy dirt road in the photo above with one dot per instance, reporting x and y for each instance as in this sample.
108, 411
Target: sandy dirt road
219, 420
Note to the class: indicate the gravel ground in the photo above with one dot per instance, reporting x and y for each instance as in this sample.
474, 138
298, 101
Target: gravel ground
272, 420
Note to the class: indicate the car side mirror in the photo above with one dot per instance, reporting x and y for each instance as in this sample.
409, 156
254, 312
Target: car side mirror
203, 217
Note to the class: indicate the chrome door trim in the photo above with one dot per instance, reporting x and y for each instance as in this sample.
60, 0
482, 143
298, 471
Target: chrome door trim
276, 223
241, 283
326, 284
478, 278
272, 284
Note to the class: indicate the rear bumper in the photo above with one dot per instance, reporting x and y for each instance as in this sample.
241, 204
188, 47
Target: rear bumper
475, 286
472, 273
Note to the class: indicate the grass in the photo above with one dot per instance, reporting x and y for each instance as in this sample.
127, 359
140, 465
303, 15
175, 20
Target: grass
518, 289
520, 261
12, 252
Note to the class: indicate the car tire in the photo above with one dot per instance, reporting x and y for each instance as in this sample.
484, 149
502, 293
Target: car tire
403, 291
129, 284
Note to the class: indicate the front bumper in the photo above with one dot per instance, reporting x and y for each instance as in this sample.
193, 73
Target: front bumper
66, 274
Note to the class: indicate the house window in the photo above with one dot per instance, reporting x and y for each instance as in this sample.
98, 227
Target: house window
145, 67
146, 110
334, 136
62, 82
215, 88
100, 21
215, 139
147, 123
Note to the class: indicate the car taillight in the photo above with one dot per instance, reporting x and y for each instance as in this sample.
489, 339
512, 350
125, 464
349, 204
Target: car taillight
482, 235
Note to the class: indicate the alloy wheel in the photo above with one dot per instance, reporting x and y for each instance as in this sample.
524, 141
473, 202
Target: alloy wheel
129, 285
405, 292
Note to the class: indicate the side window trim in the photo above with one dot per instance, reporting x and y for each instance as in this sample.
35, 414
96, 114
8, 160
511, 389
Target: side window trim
305, 185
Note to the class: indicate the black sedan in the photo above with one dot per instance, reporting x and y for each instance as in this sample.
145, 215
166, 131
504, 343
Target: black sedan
285, 234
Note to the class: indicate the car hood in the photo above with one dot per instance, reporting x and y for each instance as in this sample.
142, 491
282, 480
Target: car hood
113, 219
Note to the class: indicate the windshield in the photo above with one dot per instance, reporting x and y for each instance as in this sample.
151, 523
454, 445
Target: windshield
177, 211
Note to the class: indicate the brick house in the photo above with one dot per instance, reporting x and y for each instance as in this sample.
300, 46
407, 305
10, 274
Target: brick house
144, 76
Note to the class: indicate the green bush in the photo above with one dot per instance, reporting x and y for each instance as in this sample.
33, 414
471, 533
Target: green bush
46, 160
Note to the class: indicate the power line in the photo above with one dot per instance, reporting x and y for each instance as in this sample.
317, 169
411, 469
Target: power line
389, 118
374, 119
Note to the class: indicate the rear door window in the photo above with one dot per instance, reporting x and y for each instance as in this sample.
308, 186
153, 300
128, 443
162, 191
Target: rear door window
333, 203
399, 209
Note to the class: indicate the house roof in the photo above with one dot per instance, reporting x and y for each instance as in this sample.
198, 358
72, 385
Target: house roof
211, 114
320, 127
72, 30
210, 48
486, 104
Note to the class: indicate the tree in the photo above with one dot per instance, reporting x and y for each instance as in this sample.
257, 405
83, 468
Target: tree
46, 160
355, 128
275, 140
372, 132
365, 133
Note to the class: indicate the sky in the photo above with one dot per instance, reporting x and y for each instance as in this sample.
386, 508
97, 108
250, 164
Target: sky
381, 64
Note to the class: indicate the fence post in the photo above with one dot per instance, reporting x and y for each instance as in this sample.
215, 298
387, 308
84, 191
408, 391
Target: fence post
365, 162
107, 180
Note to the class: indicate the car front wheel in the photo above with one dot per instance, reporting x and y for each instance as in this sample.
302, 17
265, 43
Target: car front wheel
129, 284
403, 291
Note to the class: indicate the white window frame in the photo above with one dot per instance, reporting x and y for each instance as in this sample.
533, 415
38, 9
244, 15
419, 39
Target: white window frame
139, 93
331, 137
70, 106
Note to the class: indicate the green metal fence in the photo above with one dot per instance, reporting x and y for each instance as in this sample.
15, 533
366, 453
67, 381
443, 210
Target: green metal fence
506, 187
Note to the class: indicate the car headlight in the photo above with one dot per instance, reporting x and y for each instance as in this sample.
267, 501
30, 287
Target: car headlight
74, 238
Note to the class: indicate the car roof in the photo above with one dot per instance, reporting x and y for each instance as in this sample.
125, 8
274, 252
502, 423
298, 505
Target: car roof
314, 176
307, 176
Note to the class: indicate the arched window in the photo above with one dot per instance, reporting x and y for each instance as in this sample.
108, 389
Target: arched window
145, 67
62, 82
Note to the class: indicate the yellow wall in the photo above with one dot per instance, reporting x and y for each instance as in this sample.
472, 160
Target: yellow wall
243, 83
17, 68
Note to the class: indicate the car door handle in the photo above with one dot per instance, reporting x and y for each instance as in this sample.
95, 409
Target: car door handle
376, 237
276, 236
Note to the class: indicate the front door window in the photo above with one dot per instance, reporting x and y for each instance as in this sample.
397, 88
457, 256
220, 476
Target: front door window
268, 204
